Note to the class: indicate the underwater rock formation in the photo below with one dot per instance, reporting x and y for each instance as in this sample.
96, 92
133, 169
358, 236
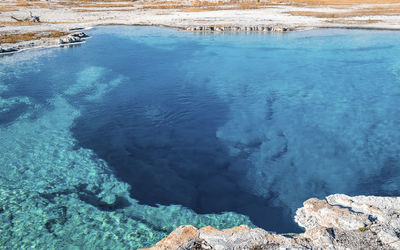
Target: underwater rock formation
255, 28
338, 222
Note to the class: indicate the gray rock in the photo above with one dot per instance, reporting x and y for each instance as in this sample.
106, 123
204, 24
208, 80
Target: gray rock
73, 38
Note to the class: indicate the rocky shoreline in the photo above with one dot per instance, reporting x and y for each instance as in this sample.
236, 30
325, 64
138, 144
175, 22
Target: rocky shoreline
337, 222
254, 16
80, 37
70, 39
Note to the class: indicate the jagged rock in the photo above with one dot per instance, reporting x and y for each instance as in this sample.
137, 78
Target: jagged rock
338, 222
242, 237
182, 237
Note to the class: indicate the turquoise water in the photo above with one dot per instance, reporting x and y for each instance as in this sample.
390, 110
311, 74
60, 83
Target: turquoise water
116, 142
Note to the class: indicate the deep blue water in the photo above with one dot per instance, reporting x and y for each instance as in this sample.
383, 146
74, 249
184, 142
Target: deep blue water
250, 123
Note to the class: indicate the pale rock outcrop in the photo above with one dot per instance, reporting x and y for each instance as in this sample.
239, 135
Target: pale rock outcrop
242, 237
73, 38
338, 222
377, 218
320, 213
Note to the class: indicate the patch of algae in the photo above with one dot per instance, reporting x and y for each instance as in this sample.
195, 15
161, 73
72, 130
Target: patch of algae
54, 195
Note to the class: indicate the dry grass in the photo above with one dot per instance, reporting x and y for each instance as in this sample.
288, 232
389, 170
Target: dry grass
207, 5
20, 23
25, 3
42, 5
14, 38
253, 5
339, 2
201, 5
68, 3
195, 6
369, 21
72, 3
107, 5
377, 11
22, 3
92, 10
95, 1
7, 9
164, 2
164, 5
190, 9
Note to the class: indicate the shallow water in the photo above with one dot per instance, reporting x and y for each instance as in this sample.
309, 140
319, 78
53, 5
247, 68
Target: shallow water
250, 124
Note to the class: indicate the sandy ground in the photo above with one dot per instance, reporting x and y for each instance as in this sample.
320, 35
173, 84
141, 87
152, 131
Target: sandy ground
64, 15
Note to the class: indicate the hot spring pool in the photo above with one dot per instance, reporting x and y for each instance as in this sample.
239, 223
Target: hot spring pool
118, 141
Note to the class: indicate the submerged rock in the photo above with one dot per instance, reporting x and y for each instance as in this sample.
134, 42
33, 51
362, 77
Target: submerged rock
255, 28
338, 222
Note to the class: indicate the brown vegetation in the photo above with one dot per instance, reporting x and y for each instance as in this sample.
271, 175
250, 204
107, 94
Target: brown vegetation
209, 5
22, 3
108, 5
369, 21
21, 23
7, 9
27, 3
97, 1
252, 5
204, 5
14, 38
100, 10
190, 9
377, 11
201, 5
336, 2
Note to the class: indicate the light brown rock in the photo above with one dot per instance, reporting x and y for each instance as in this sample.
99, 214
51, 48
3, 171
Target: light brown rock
179, 237
338, 222
320, 213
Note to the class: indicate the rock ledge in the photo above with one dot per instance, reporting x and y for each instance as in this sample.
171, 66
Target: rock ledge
338, 222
